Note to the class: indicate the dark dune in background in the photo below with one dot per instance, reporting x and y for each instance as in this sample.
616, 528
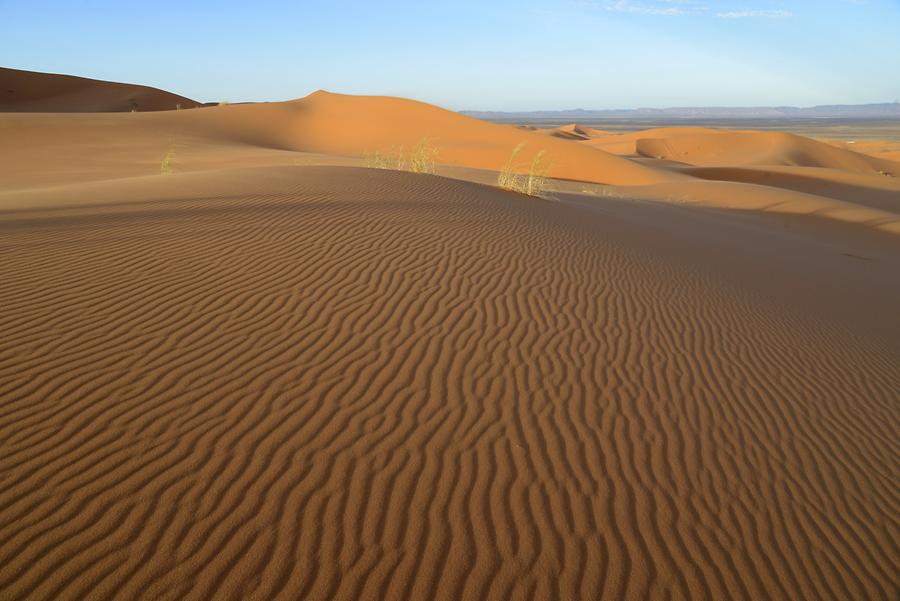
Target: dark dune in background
29, 91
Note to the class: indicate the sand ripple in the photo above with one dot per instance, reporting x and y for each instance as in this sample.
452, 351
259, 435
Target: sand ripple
369, 385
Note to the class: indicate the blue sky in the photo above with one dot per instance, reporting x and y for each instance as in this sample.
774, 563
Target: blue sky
499, 55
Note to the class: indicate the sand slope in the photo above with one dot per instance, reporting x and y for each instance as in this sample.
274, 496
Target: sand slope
29, 91
57, 149
624, 143
350, 125
333, 383
574, 131
332, 124
259, 379
46, 149
877, 192
789, 173
758, 148
882, 149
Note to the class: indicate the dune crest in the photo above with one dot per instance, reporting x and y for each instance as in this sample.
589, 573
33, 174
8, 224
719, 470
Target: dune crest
574, 131
373, 122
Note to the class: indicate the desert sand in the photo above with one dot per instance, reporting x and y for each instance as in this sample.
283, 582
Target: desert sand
273, 373
29, 91
885, 149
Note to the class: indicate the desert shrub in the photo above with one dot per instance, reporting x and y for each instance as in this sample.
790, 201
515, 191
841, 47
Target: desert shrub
422, 158
536, 180
374, 160
508, 179
391, 159
532, 183
165, 166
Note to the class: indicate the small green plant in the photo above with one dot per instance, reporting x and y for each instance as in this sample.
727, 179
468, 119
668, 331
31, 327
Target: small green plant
532, 183
886, 173
224, 103
165, 166
178, 107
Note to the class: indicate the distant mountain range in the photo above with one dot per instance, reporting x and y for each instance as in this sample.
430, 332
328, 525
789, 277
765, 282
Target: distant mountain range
886, 110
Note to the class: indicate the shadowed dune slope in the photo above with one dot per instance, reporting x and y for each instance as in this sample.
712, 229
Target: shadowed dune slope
881, 193
336, 383
736, 190
30, 91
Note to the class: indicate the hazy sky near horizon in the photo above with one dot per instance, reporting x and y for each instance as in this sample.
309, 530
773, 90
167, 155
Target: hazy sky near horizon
497, 55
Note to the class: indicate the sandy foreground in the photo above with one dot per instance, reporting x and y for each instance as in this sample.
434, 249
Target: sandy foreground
276, 374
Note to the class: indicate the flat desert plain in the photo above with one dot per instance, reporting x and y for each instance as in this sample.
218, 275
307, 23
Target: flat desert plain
236, 363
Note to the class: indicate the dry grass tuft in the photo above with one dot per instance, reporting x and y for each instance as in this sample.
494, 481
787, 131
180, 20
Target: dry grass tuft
532, 183
165, 166
508, 179
391, 159
422, 158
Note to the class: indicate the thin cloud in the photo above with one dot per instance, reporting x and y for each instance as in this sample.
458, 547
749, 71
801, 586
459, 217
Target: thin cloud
627, 6
756, 14
666, 8
675, 8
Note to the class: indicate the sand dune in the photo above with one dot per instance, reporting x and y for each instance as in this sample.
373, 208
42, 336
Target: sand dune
50, 150
573, 131
736, 190
758, 148
882, 193
369, 123
28, 91
865, 186
254, 378
342, 125
624, 144
748, 148
57, 149
354, 384
881, 149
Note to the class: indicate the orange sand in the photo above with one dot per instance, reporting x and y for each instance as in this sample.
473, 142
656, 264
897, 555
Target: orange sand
259, 378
